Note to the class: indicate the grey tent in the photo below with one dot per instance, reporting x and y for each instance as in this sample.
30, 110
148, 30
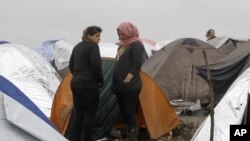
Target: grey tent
224, 72
172, 68
225, 44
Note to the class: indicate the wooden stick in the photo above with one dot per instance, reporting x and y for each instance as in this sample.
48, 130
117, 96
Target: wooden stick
211, 97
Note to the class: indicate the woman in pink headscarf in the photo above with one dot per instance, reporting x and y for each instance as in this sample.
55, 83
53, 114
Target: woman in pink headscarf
126, 79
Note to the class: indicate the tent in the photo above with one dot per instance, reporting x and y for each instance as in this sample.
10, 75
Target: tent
21, 119
108, 49
173, 68
3, 42
158, 115
225, 44
224, 72
229, 111
57, 52
46, 50
31, 73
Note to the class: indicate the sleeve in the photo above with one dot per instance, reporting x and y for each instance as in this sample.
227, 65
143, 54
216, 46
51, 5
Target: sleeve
96, 63
71, 62
137, 54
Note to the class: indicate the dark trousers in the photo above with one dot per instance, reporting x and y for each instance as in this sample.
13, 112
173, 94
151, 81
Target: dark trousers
128, 103
85, 105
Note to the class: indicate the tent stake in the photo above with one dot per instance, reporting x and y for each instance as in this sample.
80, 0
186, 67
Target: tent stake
211, 97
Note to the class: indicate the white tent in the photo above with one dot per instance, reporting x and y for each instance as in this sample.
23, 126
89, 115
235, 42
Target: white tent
219, 41
62, 54
108, 49
229, 111
57, 51
21, 119
31, 73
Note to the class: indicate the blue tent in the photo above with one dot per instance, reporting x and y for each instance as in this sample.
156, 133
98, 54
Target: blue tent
21, 119
46, 50
3, 42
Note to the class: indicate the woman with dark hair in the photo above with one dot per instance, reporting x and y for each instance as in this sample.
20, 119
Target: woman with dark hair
127, 83
85, 65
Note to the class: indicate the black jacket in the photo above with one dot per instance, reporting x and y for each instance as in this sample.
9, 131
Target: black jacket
129, 62
85, 65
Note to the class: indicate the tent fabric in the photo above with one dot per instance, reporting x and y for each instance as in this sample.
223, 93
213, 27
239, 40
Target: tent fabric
107, 49
225, 44
21, 119
56, 52
46, 50
31, 73
229, 111
224, 72
158, 114
62, 105
62, 54
172, 68
3, 42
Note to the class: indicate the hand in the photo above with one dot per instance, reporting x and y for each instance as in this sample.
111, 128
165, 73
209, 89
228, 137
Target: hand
126, 80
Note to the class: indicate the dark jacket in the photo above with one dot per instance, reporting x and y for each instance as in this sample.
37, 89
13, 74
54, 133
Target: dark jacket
129, 62
85, 65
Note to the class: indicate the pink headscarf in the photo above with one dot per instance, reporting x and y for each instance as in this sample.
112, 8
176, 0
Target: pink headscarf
130, 31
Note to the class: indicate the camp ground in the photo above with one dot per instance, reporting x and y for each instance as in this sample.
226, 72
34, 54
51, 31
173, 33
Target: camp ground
21, 119
176, 71
31, 73
156, 113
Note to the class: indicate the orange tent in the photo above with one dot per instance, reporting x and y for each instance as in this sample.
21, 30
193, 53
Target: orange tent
62, 105
155, 110
160, 117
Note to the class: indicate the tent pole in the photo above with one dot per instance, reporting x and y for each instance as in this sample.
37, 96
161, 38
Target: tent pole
183, 84
189, 78
186, 91
211, 97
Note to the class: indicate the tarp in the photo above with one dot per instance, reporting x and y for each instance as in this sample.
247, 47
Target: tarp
31, 73
158, 115
224, 72
229, 111
173, 68
21, 119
